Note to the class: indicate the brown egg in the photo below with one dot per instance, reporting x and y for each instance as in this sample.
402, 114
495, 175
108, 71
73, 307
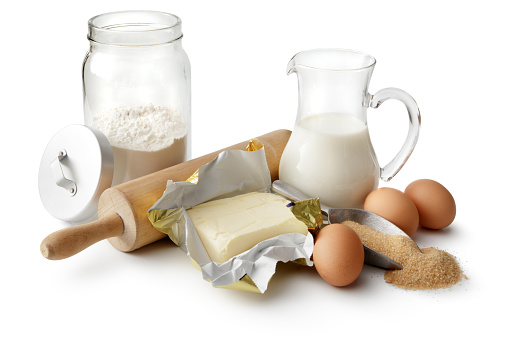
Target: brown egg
395, 206
436, 205
338, 254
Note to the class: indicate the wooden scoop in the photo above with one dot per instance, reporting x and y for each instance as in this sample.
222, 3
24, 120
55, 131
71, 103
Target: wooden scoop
122, 210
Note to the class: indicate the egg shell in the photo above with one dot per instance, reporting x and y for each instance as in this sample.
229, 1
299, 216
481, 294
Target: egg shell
436, 205
338, 254
395, 206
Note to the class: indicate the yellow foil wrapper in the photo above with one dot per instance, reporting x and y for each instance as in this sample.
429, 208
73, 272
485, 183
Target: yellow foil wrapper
309, 212
249, 174
245, 283
170, 222
194, 178
254, 145
167, 220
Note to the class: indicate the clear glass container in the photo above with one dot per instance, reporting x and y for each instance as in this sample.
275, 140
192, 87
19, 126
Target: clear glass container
137, 90
329, 154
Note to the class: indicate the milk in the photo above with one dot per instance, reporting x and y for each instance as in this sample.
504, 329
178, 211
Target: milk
330, 156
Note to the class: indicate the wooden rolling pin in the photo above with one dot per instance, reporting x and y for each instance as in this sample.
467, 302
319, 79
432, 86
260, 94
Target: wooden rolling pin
123, 209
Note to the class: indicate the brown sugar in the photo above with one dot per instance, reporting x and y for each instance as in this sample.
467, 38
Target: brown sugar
431, 269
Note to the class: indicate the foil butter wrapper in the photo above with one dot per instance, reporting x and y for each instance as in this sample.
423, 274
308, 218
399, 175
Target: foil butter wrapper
232, 173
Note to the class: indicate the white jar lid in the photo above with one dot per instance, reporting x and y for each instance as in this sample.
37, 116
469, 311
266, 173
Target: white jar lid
77, 166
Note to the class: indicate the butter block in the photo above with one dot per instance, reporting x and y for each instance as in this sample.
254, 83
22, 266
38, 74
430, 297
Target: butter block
228, 227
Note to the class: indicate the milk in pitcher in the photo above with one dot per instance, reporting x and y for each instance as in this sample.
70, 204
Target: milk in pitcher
330, 156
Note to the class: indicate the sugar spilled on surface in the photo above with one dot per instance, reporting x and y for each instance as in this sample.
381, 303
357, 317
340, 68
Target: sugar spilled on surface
431, 269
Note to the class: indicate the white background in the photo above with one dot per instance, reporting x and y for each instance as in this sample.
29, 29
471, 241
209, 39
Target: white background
451, 56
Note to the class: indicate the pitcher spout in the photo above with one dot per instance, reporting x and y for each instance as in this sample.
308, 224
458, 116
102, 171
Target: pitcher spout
332, 81
331, 60
291, 67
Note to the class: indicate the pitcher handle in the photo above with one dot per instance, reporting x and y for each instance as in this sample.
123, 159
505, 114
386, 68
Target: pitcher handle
393, 167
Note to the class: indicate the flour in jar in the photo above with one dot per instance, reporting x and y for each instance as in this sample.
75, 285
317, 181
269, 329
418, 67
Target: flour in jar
144, 139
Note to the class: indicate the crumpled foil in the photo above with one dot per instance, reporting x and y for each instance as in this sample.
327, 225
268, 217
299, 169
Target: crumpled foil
231, 173
309, 212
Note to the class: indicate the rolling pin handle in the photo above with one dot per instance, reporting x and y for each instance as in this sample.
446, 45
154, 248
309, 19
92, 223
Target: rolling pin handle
72, 240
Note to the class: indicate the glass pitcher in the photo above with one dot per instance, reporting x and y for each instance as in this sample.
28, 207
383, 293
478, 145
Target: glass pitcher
329, 154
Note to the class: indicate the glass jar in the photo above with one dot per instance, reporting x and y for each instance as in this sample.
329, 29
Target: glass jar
137, 90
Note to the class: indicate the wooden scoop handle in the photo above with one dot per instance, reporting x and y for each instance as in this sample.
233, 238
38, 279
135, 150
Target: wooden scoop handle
72, 240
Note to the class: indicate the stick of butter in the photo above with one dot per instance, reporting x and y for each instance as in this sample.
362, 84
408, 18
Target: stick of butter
228, 227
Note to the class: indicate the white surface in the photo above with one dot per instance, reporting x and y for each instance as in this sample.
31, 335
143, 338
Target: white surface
451, 56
